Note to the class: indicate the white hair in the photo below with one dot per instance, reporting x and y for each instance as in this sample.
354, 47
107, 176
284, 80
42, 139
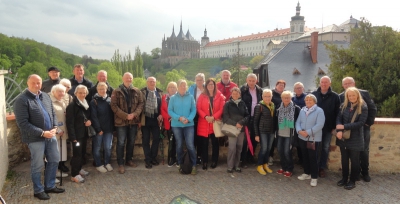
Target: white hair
65, 82
58, 87
200, 75
252, 75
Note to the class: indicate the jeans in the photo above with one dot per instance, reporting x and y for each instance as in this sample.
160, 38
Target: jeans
186, 133
106, 139
310, 158
326, 142
128, 134
266, 141
150, 153
204, 141
285, 153
354, 157
234, 150
78, 152
49, 148
364, 155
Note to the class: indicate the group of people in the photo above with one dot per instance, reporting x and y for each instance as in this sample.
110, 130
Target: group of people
50, 113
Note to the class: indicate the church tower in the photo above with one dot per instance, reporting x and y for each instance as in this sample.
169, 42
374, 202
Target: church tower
297, 23
204, 39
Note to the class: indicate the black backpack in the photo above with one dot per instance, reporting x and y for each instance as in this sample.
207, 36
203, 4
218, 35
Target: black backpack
186, 165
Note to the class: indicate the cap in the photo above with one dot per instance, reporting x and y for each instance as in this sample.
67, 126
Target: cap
53, 69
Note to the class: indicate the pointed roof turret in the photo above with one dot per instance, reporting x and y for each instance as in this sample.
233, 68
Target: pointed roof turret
173, 32
297, 16
189, 36
181, 36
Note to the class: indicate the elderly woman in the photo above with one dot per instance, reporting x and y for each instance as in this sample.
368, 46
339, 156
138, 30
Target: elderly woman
67, 83
309, 126
210, 106
264, 128
182, 110
171, 90
103, 122
78, 119
287, 114
235, 113
352, 117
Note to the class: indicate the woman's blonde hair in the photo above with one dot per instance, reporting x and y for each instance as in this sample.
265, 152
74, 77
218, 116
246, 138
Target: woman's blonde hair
359, 101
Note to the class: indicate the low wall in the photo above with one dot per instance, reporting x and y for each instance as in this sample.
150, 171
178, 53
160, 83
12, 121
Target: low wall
3, 134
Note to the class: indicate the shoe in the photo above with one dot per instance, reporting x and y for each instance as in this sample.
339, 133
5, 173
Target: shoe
109, 167
204, 166
287, 174
171, 162
213, 165
366, 178
102, 169
280, 171
61, 174
83, 173
78, 179
271, 161
238, 170
62, 167
148, 165
94, 163
322, 173
350, 185
121, 169
131, 164
42, 196
194, 170
155, 163
178, 166
229, 171
342, 182
260, 170
57, 181
304, 177
55, 190
266, 168
243, 165
198, 162
313, 182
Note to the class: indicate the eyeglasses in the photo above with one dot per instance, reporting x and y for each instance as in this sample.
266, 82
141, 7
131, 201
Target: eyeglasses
210, 84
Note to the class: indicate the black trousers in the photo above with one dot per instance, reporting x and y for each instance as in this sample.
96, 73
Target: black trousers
354, 157
310, 158
204, 141
77, 153
171, 145
150, 153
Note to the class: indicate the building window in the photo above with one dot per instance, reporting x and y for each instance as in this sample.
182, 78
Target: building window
292, 29
301, 28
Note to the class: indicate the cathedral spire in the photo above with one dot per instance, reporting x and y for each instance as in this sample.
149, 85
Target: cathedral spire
298, 9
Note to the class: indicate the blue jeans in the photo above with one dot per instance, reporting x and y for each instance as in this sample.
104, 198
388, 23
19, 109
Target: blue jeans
106, 139
326, 142
285, 153
49, 148
186, 133
127, 133
266, 141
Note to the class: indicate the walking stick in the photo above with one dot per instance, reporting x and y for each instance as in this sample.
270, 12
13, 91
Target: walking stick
61, 159
162, 144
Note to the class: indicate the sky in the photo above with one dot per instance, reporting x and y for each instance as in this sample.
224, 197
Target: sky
98, 27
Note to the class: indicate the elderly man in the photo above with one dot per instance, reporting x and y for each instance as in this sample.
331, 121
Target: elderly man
101, 77
78, 79
226, 85
37, 122
127, 105
54, 78
151, 121
329, 101
364, 155
251, 94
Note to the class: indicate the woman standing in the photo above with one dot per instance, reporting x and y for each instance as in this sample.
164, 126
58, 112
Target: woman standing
264, 128
78, 119
67, 83
210, 106
103, 122
287, 114
235, 113
309, 126
171, 90
353, 106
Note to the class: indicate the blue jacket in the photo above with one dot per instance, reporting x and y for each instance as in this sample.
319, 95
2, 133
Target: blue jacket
314, 121
101, 114
182, 106
192, 90
299, 100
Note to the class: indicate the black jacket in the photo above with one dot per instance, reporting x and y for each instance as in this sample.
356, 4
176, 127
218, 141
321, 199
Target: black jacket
102, 114
74, 84
264, 123
246, 96
75, 120
48, 84
330, 103
276, 98
370, 104
356, 141
93, 91
235, 113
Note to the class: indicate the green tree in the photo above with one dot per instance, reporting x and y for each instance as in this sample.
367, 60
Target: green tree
138, 63
31, 68
256, 60
156, 53
5, 63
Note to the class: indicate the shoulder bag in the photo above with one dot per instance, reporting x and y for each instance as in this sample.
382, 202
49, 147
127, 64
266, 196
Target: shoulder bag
311, 144
217, 125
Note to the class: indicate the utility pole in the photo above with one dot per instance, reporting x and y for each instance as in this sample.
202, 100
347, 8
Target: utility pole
238, 61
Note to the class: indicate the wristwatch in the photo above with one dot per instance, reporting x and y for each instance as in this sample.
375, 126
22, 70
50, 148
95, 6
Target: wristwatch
42, 134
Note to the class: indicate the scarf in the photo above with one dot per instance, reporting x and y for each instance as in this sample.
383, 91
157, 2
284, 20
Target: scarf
127, 93
270, 106
84, 103
286, 116
309, 110
237, 101
151, 103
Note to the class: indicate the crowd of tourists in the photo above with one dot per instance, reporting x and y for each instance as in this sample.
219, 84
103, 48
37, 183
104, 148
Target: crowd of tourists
56, 112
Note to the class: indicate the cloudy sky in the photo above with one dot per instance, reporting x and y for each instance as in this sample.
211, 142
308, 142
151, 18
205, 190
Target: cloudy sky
98, 28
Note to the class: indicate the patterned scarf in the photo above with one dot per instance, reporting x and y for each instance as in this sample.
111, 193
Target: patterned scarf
309, 110
270, 106
151, 104
286, 116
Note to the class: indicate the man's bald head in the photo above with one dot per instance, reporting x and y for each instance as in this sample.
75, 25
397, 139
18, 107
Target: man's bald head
34, 83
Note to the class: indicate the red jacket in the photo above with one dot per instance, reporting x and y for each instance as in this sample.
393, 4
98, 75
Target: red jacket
226, 89
164, 112
203, 109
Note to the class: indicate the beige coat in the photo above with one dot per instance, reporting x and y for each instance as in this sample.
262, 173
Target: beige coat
59, 109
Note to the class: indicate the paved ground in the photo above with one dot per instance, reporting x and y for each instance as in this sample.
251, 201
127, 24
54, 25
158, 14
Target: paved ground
162, 183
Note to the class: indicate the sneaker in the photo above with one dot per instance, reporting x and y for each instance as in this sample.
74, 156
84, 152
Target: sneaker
288, 174
102, 169
313, 182
83, 172
109, 167
57, 181
238, 170
229, 171
304, 177
178, 166
194, 170
171, 162
61, 174
280, 171
271, 161
266, 169
78, 179
260, 170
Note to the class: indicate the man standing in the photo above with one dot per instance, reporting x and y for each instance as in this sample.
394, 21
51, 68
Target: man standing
78, 79
329, 101
225, 85
37, 122
127, 105
364, 155
101, 77
54, 78
151, 119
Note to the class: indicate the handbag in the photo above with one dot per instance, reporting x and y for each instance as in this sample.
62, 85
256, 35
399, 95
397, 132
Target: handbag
311, 145
230, 130
346, 133
90, 129
217, 125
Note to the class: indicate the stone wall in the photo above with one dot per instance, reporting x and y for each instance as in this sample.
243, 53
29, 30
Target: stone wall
3, 135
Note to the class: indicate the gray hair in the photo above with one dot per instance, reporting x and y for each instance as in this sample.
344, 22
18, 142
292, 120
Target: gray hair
227, 71
236, 89
58, 87
81, 87
65, 82
348, 78
311, 96
325, 77
267, 91
298, 83
251, 75
102, 84
200, 75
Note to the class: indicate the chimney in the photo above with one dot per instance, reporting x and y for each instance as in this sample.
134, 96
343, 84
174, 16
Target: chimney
314, 46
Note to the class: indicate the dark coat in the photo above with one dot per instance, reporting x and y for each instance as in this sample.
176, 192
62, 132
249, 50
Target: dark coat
48, 84
330, 103
299, 100
356, 141
102, 114
75, 120
276, 98
264, 123
75, 83
235, 113
246, 96
370, 104
93, 90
